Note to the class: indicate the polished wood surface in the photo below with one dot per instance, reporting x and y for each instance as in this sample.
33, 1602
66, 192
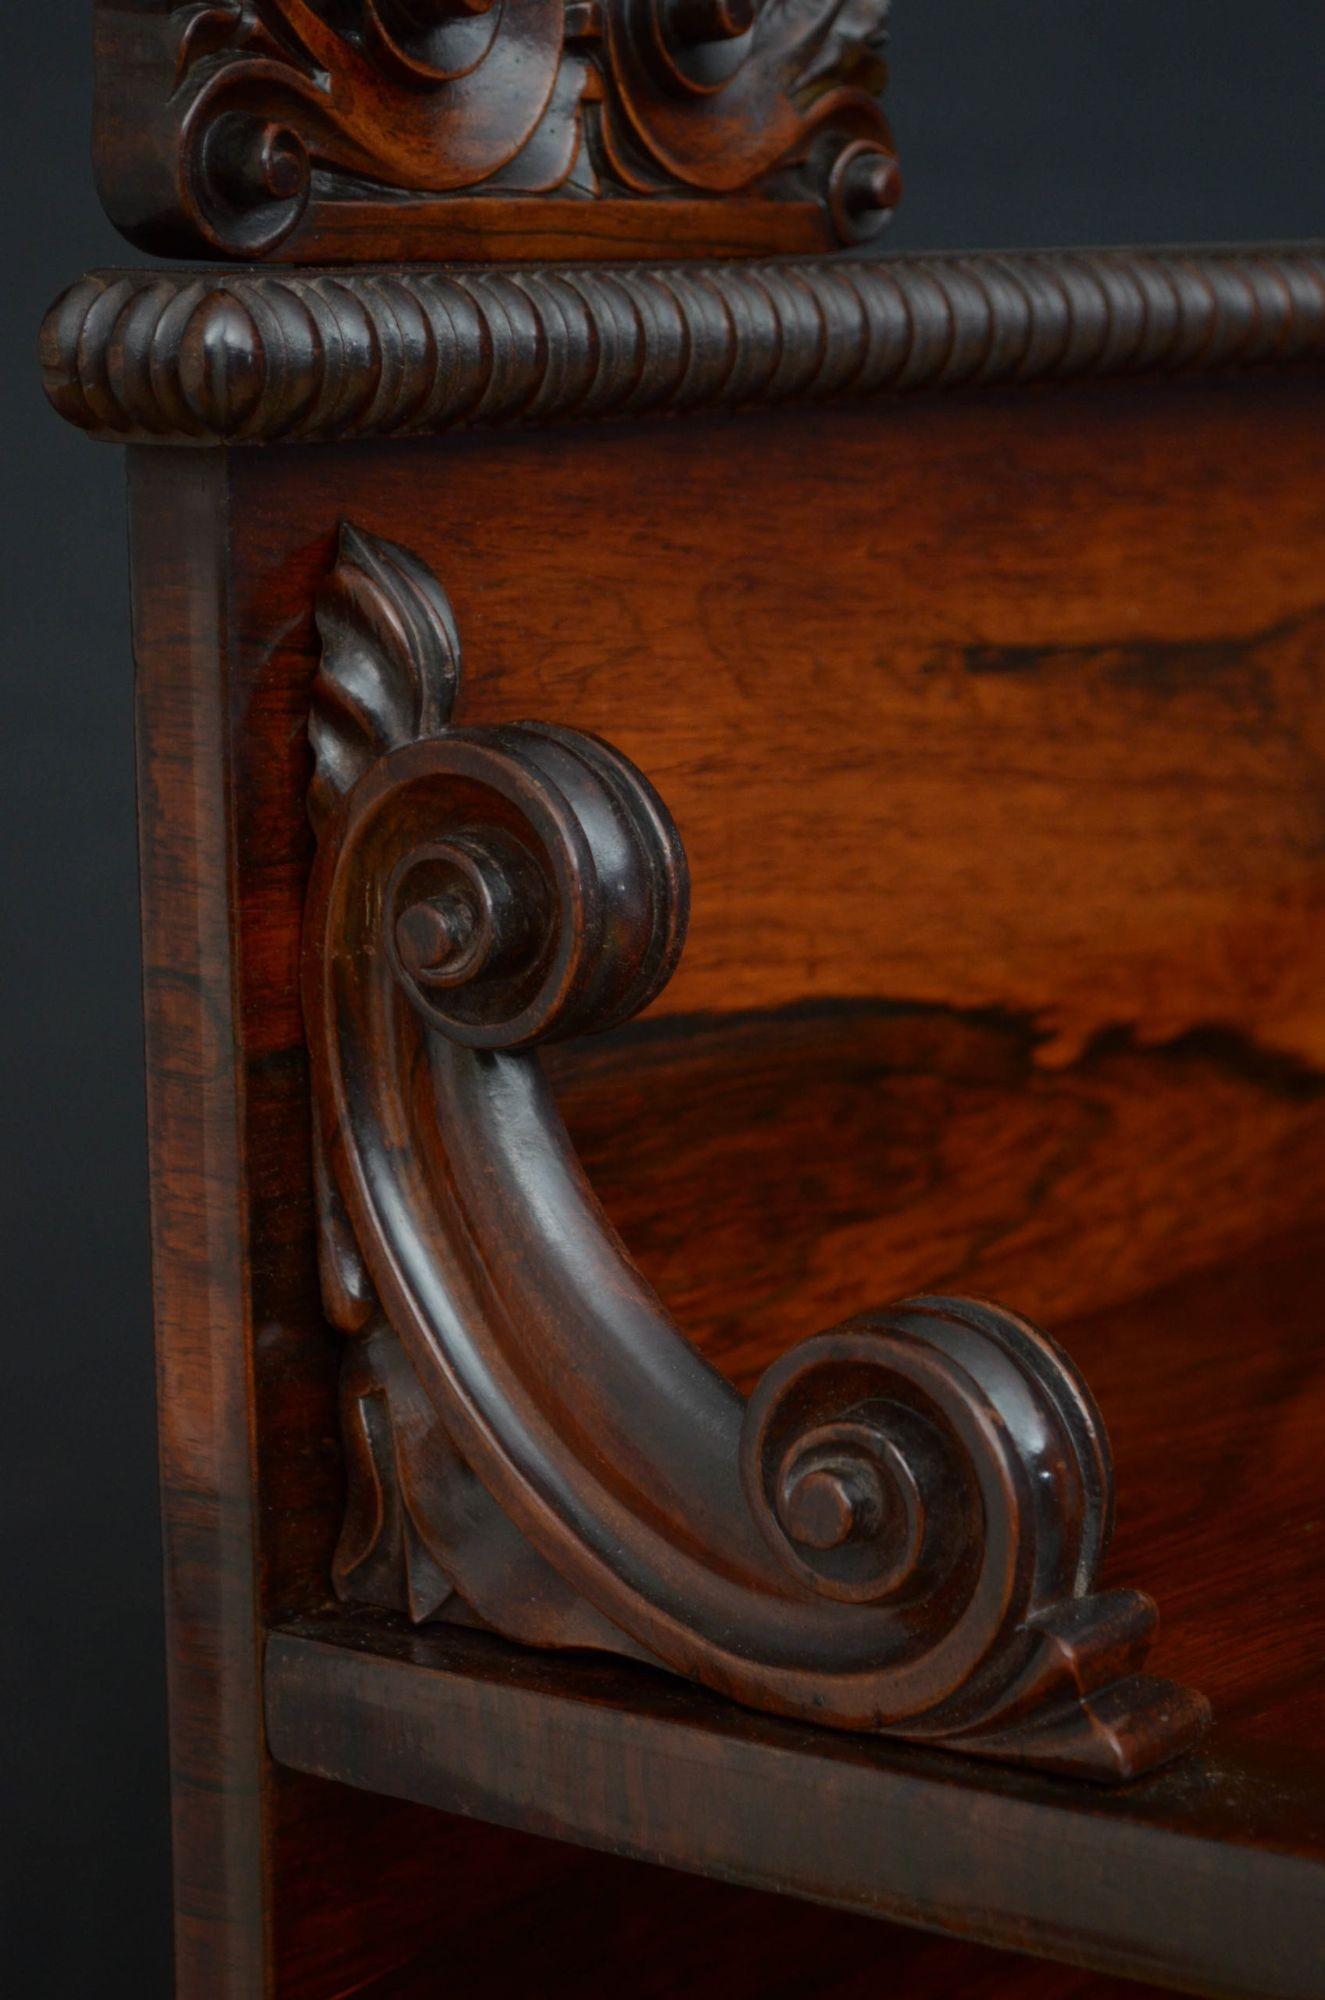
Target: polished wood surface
992, 727
195, 357
1072, 850
743, 1158
382, 130
266, 1893
900, 1531
200, 1252
1209, 1876
1002, 975
588, 1922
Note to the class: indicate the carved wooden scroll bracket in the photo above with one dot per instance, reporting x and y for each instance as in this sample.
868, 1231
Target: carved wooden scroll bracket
902, 1528
392, 130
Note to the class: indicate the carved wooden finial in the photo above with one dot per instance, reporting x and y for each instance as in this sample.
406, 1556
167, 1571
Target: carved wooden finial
902, 1529
388, 130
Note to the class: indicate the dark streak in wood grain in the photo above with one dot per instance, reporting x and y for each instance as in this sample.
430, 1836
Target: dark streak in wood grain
1137, 864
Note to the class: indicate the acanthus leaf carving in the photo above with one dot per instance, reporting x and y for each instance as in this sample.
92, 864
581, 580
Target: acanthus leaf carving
390, 663
417, 1522
902, 1529
385, 1554
237, 126
718, 114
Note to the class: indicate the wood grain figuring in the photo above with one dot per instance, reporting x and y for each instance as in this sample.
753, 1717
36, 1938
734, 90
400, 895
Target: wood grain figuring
768, 1170
1099, 1074
1209, 1877
900, 1531
271, 1894
1028, 748
251, 130
199, 1252
1250, 1466
202, 357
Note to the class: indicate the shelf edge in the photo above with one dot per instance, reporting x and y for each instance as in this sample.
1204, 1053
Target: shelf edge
560, 1748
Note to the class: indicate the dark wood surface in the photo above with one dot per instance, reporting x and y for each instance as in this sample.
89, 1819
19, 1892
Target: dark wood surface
1209, 1876
382, 130
903, 1527
1033, 1009
267, 1896
1043, 811
200, 1246
524, 1914
993, 733
901, 1530
267, 355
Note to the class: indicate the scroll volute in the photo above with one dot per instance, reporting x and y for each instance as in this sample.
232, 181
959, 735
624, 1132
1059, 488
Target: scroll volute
899, 1532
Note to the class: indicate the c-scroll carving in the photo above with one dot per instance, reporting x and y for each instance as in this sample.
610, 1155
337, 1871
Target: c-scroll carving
901, 1530
384, 130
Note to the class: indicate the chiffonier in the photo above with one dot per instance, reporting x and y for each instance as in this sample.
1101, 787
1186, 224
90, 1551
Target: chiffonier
696, 777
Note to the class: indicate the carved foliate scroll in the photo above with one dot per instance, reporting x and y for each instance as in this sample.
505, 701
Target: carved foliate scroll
899, 1532
391, 129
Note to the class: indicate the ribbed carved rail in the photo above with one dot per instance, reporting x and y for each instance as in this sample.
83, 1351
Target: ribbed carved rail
210, 357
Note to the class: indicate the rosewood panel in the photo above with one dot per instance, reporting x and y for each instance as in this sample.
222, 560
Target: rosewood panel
901, 1530
1027, 790
1051, 956
1209, 1876
1048, 961
281, 1885
768, 1169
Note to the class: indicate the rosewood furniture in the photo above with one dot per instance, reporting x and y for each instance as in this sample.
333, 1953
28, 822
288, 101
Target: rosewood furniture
860, 839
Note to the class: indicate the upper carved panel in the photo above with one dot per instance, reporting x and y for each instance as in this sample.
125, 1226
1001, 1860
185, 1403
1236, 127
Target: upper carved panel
390, 130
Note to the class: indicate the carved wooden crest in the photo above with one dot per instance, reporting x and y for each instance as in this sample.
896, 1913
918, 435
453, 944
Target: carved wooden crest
902, 1528
345, 129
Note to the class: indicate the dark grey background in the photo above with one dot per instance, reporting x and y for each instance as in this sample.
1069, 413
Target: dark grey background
1034, 122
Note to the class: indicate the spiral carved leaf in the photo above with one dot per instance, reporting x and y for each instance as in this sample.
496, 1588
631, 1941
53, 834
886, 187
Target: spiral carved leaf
416, 1517
244, 126
717, 95
866, 1474
267, 93
902, 1529
944, 1463
390, 663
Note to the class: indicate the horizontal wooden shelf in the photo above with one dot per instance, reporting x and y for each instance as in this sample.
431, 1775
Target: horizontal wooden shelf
1209, 1876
